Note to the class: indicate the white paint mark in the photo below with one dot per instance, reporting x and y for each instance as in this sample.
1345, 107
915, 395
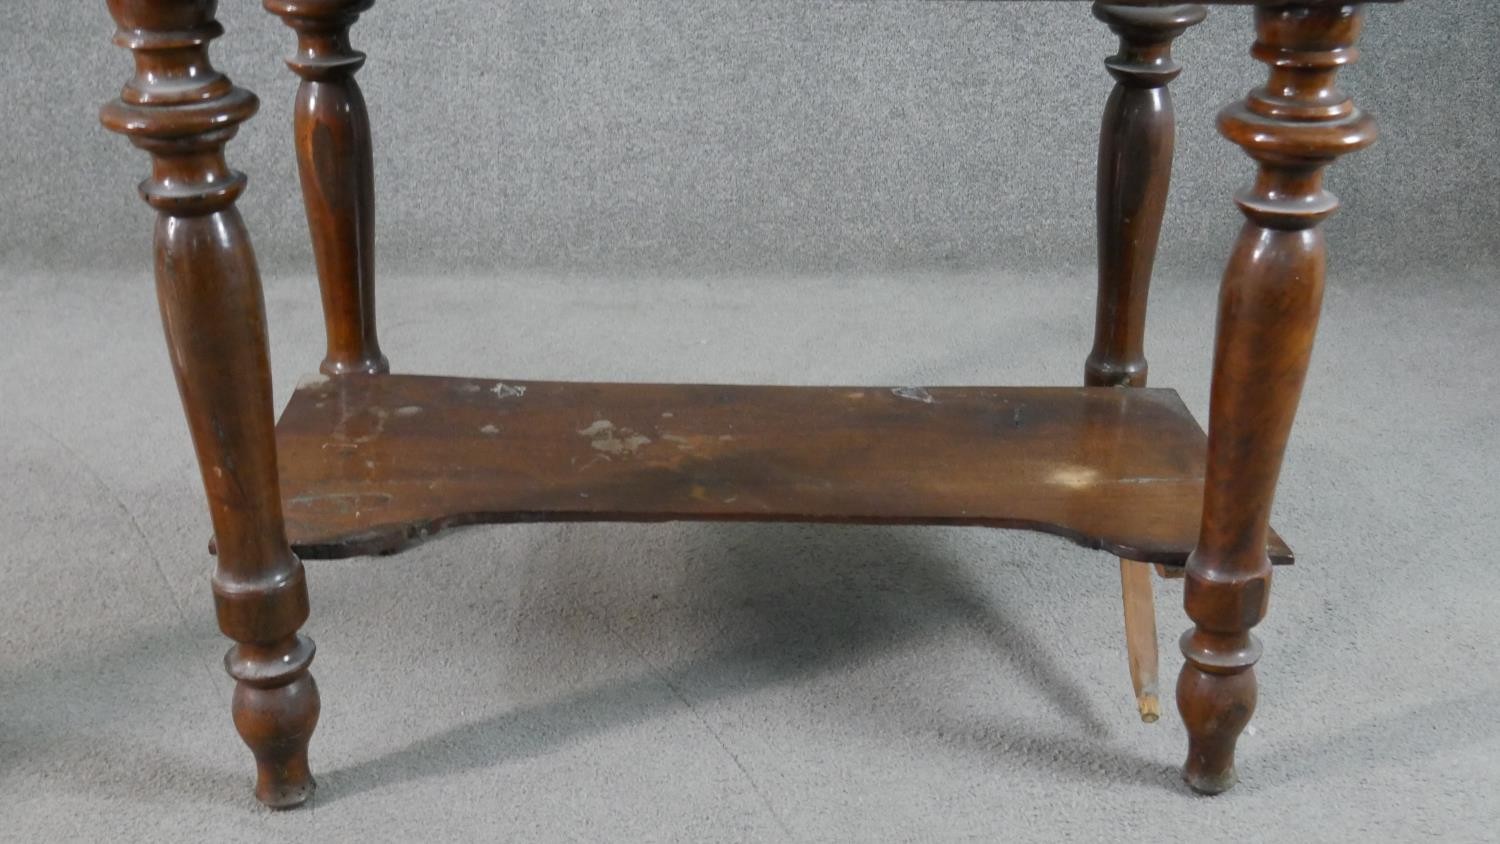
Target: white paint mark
409, 410
914, 394
489, 429
627, 445
599, 427
508, 391
857, 394
667, 415
611, 440
468, 388
312, 382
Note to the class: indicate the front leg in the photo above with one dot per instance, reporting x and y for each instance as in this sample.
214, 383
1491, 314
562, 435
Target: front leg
1268, 312
182, 111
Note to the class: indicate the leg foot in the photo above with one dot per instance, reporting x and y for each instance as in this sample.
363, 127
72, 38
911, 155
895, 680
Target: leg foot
276, 721
1216, 708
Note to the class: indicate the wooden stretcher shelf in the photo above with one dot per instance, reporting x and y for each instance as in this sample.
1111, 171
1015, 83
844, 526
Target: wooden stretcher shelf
370, 464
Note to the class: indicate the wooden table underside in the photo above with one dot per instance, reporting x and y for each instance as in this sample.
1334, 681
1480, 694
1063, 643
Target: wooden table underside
364, 461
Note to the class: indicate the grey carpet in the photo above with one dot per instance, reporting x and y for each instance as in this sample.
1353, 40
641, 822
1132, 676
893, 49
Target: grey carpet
760, 683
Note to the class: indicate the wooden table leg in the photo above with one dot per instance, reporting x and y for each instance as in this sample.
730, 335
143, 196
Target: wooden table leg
1294, 126
1135, 168
1140, 637
332, 132
182, 111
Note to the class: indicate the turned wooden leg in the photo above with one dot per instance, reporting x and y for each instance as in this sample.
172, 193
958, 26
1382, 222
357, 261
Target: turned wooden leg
1268, 311
182, 111
1135, 169
332, 131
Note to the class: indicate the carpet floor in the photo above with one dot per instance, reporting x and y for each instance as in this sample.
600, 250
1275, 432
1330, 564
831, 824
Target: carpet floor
695, 682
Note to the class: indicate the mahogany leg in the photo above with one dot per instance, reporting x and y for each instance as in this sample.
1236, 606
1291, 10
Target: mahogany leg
1136, 142
1294, 126
332, 132
182, 111
1135, 168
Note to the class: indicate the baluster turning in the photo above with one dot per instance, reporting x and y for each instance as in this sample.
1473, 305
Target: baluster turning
1294, 126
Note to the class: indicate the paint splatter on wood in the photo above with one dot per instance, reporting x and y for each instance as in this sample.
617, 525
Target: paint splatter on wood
607, 439
508, 391
914, 394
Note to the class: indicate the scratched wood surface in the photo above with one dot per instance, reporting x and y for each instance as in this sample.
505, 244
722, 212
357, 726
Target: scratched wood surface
370, 464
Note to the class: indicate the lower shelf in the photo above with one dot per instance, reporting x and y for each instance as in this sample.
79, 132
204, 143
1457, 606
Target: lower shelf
370, 464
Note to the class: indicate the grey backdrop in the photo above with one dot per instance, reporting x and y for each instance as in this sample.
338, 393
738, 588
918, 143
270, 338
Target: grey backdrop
880, 193
772, 136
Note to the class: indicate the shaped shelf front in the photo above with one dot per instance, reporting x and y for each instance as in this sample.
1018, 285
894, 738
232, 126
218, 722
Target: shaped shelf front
370, 464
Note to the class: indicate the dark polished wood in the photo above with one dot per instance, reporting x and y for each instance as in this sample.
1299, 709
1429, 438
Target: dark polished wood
1294, 126
370, 464
367, 462
1136, 140
182, 111
332, 132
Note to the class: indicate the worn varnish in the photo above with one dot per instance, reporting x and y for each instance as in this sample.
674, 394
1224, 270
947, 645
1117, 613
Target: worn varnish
1137, 137
1136, 140
331, 130
371, 463
1294, 126
182, 111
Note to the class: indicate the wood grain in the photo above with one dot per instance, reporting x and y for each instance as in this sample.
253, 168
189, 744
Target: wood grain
1137, 137
1294, 126
182, 111
1140, 637
373, 463
331, 130
366, 462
